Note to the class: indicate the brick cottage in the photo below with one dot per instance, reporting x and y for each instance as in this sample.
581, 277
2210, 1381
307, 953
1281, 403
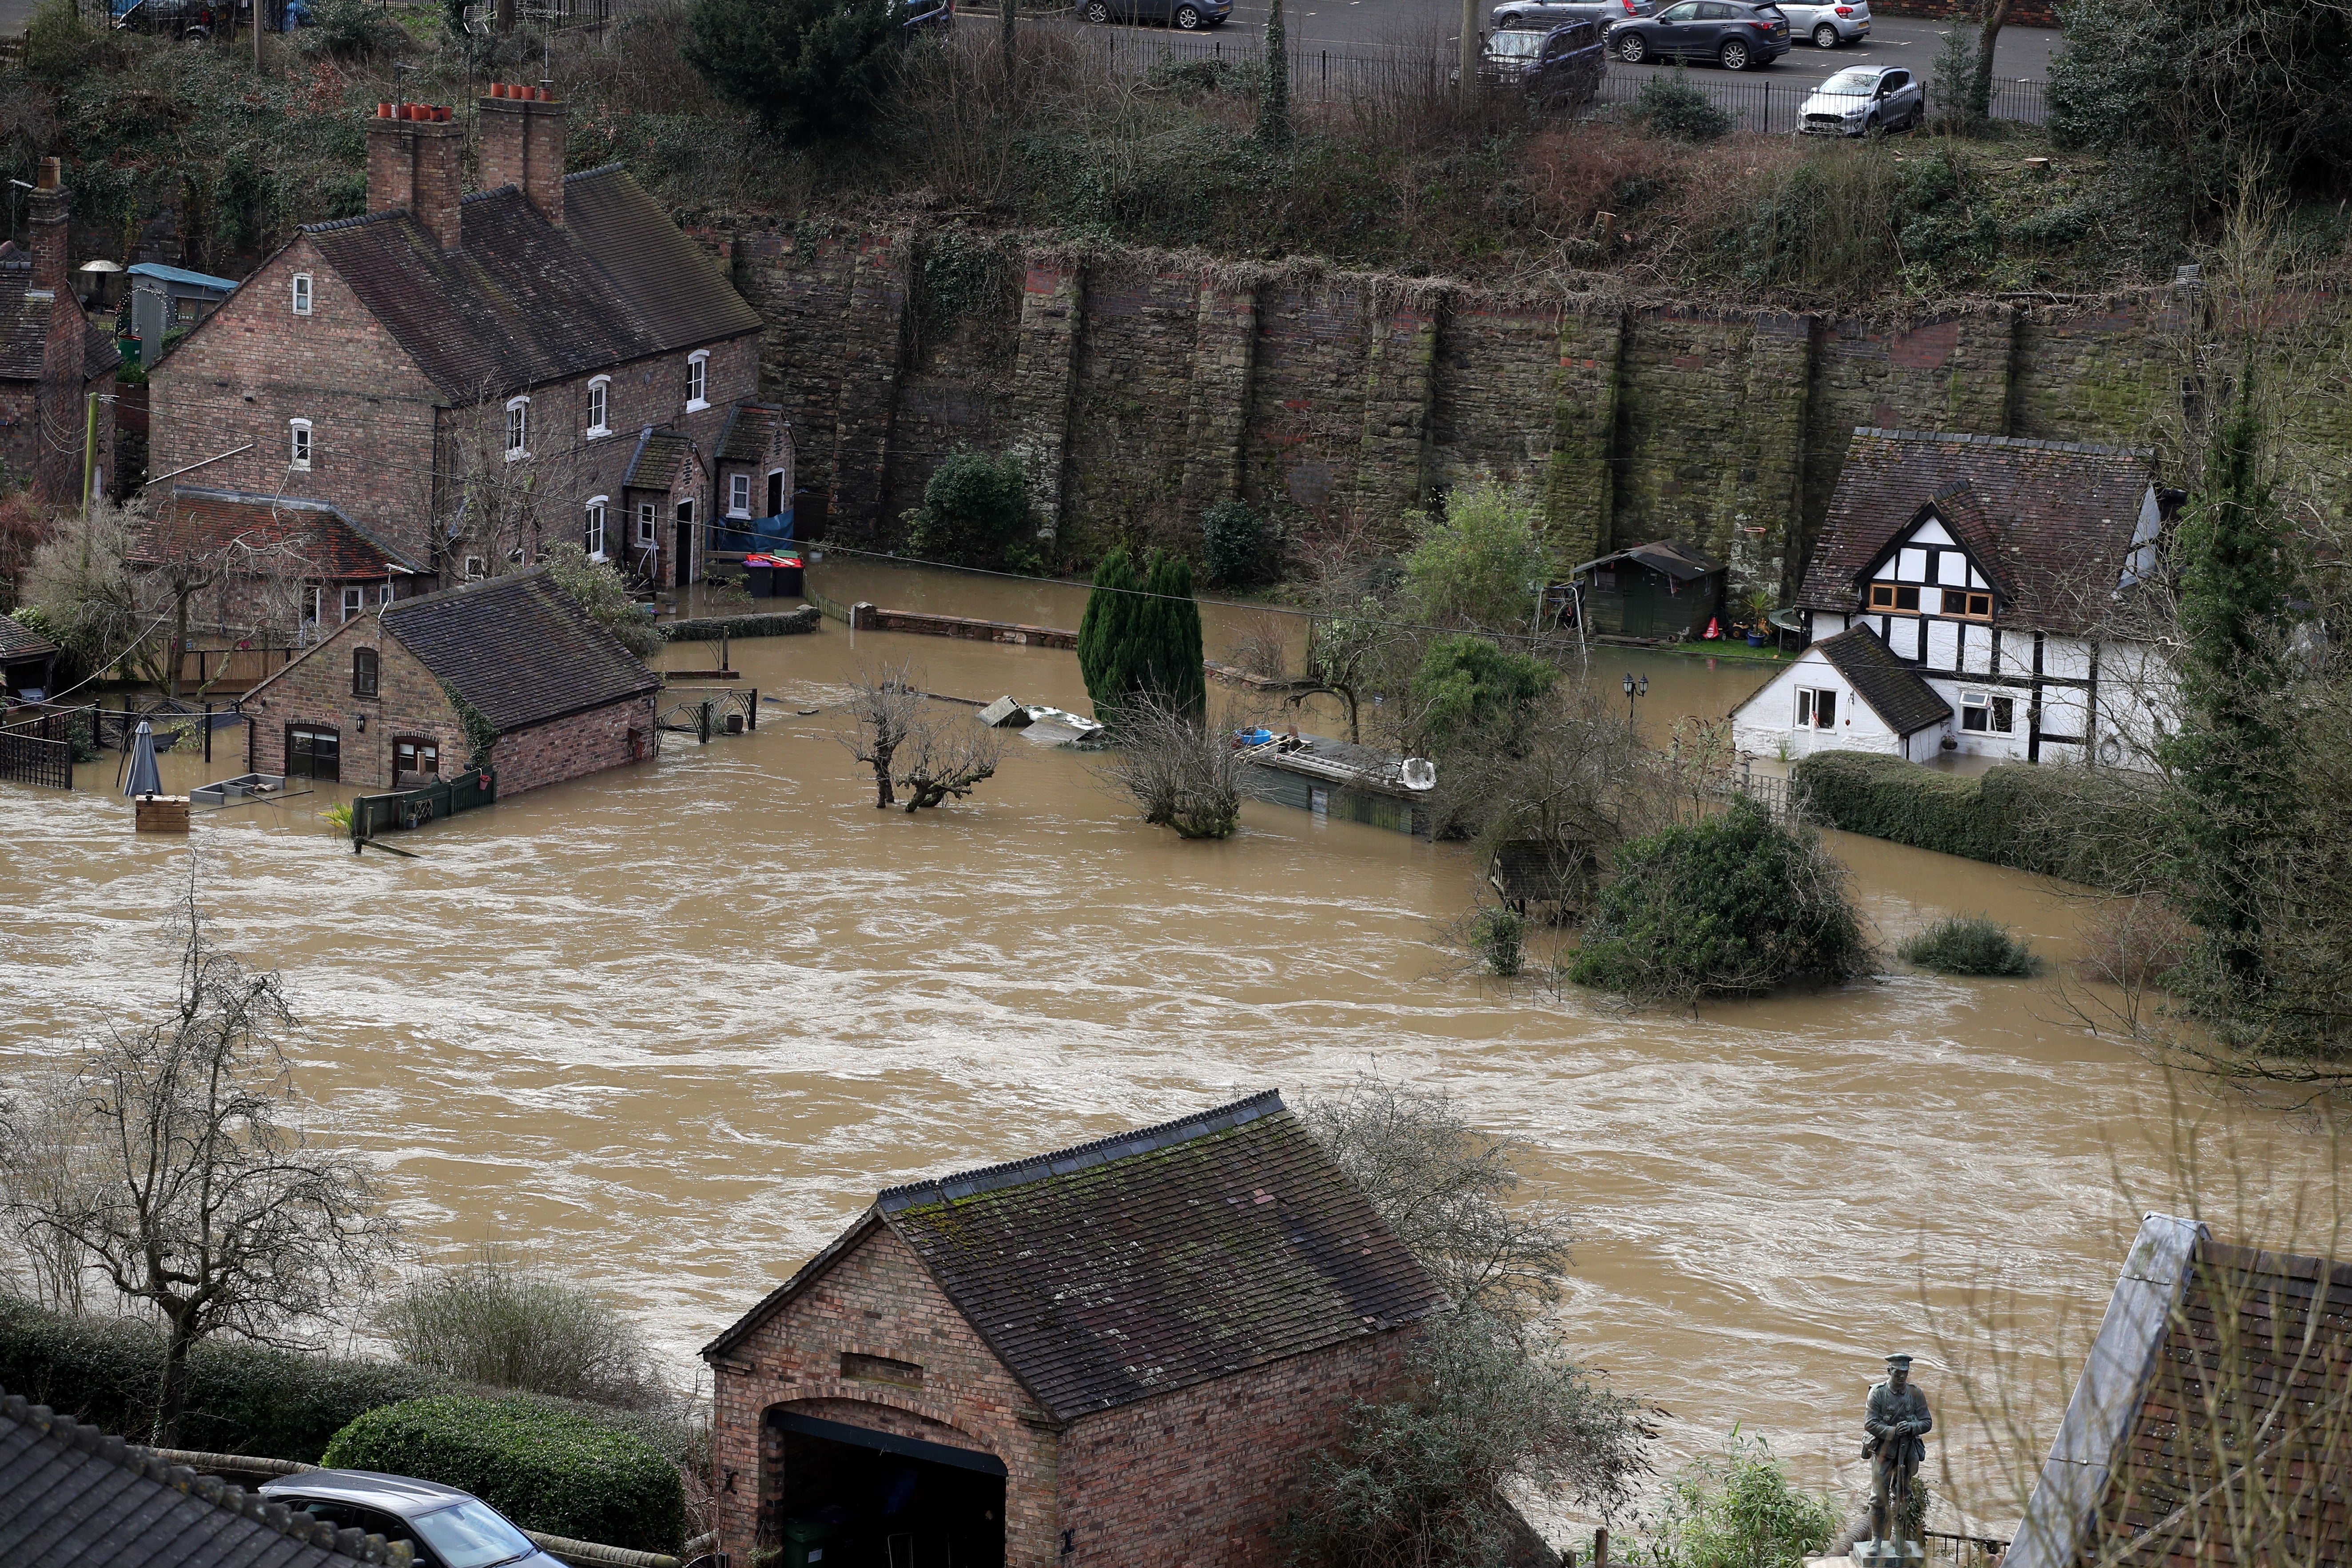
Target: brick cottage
372, 705
474, 378
1117, 1354
52, 356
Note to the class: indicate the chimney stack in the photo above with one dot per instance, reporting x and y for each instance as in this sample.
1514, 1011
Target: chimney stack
522, 145
51, 205
416, 162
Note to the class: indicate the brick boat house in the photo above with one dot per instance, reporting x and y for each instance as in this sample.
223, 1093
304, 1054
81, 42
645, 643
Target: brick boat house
1120, 1354
372, 704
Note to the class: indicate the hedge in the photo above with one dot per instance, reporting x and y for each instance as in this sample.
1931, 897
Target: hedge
243, 1398
712, 629
2085, 826
547, 1468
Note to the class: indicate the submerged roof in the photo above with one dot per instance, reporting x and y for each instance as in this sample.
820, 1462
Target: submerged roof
2208, 1426
1123, 1269
2050, 521
71, 1496
519, 649
1895, 692
521, 301
330, 544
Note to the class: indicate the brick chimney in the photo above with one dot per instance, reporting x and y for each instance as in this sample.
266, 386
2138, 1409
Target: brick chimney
51, 205
416, 162
522, 145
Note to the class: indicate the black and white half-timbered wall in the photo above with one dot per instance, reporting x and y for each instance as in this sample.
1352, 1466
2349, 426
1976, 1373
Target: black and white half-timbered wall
1988, 575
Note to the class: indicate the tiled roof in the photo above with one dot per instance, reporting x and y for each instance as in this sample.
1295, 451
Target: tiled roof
24, 329
1159, 1259
336, 547
19, 640
2054, 519
1895, 692
751, 432
1673, 557
655, 464
2210, 1425
519, 649
72, 1497
521, 300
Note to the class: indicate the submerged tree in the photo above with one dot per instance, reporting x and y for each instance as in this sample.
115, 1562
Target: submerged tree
1181, 772
205, 1200
885, 711
930, 756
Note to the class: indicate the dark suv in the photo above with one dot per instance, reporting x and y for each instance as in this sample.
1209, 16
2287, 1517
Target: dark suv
1552, 13
1555, 67
1731, 32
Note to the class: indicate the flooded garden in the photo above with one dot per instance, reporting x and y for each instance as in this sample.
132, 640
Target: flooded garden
669, 1028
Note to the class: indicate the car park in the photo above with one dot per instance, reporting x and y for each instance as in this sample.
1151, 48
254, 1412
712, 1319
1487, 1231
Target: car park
1829, 23
1187, 15
1512, 14
1556, 68
445, 1527
1861, 99
1734, 34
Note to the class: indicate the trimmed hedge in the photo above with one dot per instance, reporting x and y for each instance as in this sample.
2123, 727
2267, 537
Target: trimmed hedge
547, 1468
712, 629
243, 1398
2085, 826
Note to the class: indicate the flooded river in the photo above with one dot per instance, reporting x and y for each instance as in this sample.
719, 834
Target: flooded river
668, 1028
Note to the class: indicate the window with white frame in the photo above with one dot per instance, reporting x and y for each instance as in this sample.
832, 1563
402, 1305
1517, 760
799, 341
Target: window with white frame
384, 594
301, 293
593, 538
698, 380
738, 495
298, 443
600, 393
476, 568
1816, 707
517, 428
1988, 711
312, 602
354, 601
646, 515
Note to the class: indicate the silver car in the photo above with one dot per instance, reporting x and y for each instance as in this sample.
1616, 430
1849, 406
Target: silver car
1861, 99
1829, 23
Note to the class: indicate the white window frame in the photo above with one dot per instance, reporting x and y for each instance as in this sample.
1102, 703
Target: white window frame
384, 594
698, 380
1808, 707
354, 602
781, 484
476, 568
599, 406
301, 294
595, 530
647, 511
298, 445
317, 605
739, 495
1981, 702
518, 429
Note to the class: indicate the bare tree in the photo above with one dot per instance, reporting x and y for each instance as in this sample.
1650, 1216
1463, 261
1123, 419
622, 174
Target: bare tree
947, 757
885, 711
206, 1200
1183, 773
909, 747
49, 1164
1260, 645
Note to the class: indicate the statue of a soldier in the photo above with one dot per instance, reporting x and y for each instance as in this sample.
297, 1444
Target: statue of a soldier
1896, 1420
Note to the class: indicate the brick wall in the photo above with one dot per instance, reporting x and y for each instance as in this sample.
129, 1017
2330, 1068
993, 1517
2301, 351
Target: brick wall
568, 748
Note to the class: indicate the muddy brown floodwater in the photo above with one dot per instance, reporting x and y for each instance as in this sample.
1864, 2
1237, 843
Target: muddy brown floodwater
668, 1028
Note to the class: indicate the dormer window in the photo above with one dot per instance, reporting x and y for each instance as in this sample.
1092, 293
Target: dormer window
1898, 597
517, 428
298, 445
599, 400
698, 380
301, 293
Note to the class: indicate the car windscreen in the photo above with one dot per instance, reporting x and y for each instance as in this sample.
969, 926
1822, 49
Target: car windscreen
471, 1535
1851, 84
1515, 45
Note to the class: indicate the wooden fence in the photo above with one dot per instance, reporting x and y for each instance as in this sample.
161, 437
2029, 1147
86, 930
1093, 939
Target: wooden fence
38, 750
414, 807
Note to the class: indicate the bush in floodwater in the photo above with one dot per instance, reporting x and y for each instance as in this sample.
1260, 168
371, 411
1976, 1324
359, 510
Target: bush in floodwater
1495, 936
1737, 1510
1735, 904
1969, 944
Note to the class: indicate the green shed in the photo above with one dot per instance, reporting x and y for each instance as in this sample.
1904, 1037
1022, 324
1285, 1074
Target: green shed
1664, 589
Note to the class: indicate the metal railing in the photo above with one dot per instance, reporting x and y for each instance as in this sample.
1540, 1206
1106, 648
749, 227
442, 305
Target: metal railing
1771, 107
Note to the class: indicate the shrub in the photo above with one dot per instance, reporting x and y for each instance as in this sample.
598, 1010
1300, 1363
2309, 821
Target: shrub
59, 46
604, 594
1670, 106
243, 1398
807, 69
490, 1322
1141, 633
1495, 936
2084, 825
976, 513
1232, 540
1969, 944
1737, 1511
1471, 693
549, 1470
1479, 563
1734, 904
350, 29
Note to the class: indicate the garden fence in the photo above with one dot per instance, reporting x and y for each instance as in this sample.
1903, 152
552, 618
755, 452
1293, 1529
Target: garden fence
38, 750
414, 807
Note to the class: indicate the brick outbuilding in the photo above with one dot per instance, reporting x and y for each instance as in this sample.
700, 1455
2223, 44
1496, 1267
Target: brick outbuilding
1116, 1353
52, 356
376, 703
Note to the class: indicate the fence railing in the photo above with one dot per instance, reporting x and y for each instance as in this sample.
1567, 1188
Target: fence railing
1771, 107
38, 752
414, 807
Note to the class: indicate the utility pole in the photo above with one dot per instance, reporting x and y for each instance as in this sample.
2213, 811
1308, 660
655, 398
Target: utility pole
1470, 41
89, 459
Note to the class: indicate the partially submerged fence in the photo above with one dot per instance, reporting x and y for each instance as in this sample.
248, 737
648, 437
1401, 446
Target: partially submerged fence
38, 750
728, 710
414, 807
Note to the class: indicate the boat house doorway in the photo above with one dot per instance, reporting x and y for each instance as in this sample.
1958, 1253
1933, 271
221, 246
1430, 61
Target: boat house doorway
844, 1496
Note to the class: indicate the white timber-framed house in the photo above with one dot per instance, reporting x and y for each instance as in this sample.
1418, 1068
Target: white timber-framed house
1963, 600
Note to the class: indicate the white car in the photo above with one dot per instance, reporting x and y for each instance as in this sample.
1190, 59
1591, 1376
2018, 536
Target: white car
1861, 99
1829, 24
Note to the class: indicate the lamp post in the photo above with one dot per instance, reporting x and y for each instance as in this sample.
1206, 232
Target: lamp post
1634, 687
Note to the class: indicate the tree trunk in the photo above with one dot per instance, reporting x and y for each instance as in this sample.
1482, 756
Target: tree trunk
1981, 89
1004, 19
884, 797
171, 1391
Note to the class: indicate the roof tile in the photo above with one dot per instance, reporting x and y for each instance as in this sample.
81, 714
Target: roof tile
519, 649
1895, 692
333, 544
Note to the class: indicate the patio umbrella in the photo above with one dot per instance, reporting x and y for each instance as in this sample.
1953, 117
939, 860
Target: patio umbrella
144, 778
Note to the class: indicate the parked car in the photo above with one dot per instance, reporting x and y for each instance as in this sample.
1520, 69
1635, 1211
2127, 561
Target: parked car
1828, 23
1860, 99
1556, 67
1187, 15
190, 20
1513, 14
443, 1527
1734, 33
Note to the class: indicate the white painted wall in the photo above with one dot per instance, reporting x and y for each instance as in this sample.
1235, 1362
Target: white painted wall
1766, 724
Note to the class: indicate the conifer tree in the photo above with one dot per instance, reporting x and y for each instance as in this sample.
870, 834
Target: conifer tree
1175, 672
1107, 634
